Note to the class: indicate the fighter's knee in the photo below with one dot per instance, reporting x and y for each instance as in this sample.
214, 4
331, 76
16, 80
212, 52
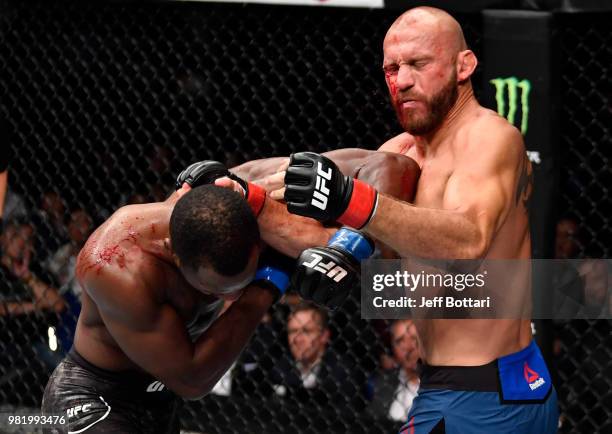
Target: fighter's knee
390, 173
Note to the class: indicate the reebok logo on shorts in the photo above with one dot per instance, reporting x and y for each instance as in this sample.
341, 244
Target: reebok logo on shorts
532, 377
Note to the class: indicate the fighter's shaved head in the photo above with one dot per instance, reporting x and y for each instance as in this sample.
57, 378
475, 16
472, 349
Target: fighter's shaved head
436, 22
427, 65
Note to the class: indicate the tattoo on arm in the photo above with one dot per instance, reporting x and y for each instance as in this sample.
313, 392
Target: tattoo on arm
525, 184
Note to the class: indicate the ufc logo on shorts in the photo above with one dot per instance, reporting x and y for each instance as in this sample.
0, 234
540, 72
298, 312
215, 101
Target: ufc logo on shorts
74, 411
333, 271
321, 193
156, 386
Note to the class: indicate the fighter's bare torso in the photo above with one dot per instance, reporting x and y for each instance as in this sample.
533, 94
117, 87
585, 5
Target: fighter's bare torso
130, 244
470, 342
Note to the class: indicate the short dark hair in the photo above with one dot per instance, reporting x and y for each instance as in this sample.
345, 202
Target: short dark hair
320, 313
213, 226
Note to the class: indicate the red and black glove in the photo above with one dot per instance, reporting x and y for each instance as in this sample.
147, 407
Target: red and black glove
316, 188
208, 171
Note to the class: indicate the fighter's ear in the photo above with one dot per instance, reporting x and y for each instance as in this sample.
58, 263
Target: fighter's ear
466, 64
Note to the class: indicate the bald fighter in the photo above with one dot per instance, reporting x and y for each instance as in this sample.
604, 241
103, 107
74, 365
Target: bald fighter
479, 376
155, 278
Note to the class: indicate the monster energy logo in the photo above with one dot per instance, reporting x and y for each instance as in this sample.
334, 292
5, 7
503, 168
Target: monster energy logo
512, 84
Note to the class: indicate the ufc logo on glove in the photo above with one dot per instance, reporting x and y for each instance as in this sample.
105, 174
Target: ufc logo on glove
321, 193
331, 269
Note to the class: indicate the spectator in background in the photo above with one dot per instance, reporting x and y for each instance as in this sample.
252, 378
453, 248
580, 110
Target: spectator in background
581, 291
62, 266
392, 391
29, 304
582, 286
11, 204
49, 222
567, 241
315, 379
62, 263
17, 249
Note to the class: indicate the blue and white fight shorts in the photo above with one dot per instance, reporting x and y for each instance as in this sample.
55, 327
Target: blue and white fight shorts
511, 395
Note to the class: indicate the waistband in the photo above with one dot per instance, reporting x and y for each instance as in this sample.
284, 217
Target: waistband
132, 378
482, 378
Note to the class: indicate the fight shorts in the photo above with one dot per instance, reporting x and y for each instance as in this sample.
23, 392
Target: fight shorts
511, 395
95, 400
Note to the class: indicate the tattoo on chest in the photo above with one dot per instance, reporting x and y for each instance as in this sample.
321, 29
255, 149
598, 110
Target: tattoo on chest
525, 184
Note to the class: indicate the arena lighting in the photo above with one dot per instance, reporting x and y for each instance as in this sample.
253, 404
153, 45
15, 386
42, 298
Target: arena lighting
52, 338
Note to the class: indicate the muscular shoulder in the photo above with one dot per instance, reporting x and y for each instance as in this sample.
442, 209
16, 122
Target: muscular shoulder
113, 269
490, 136
399, 144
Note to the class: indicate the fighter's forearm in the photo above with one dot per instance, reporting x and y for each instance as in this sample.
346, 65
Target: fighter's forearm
426, 232
257, 169
348, 160
288, 233
219, 347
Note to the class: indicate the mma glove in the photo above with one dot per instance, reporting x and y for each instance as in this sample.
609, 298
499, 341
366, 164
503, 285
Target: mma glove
274, 271
208, 171
327, 275
316, 188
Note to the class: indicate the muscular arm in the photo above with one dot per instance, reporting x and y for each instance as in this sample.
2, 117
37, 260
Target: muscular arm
287, 233
348, 160
478, 197
290, 234
152, 334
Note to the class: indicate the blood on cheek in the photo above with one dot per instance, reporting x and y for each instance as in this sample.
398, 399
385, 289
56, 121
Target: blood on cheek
391, 80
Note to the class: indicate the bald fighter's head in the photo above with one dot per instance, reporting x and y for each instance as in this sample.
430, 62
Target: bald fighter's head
427, 65
215, 237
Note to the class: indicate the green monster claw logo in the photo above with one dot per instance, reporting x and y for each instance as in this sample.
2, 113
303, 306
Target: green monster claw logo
512, 84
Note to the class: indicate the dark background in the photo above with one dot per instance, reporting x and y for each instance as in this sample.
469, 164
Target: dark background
105, 99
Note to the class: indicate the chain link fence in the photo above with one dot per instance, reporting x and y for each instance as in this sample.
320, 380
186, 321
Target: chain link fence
106, 102
584, 348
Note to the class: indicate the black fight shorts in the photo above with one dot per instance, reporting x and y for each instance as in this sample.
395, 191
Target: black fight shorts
94, 400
